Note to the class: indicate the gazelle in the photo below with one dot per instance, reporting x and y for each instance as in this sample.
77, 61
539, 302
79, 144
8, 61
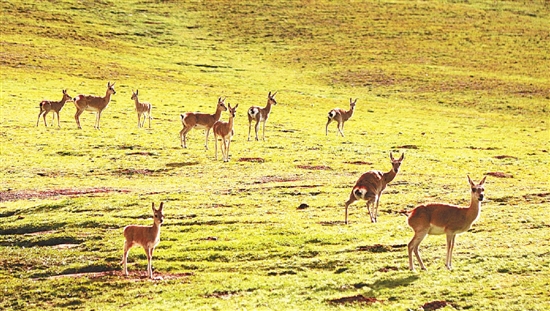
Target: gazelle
191, 120
146, 236
370, 186
340, 115
93, 103
225, 131
48, 105
441, 218
142, 109
260, 114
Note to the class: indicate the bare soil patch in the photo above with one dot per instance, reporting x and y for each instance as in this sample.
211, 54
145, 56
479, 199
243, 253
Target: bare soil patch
133, 276
359, 162
314, 167
10, 195
254, 160
500, 175
360, 299
434, 305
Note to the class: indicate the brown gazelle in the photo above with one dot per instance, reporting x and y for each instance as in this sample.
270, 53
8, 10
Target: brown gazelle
260, 114
370, 186
191, 120
225, 131
441, 218
48, 105
142, 109
340, 116
93, 103
146, 236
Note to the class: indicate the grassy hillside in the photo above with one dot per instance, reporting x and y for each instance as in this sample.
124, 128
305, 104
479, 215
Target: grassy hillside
459, 87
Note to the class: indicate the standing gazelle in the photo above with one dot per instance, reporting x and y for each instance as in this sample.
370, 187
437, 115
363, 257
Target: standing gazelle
142, 109
191, 120
93, 103
370, 186
340, 116
260, 114
48, 105
225, 131
441, 218
147, 237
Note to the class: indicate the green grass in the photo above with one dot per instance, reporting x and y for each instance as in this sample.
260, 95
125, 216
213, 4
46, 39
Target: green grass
460, 86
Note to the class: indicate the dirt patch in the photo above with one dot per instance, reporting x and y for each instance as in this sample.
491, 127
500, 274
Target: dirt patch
10, 195
434, 305
360, 299
500, 157
145, 171
267, 179
388, 269
254, 160
222, 294
314, 167
376, 248
500, 175
359, 162
133, 276
406, 147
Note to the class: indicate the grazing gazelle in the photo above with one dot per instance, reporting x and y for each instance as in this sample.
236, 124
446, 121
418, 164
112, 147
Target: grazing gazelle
48, 105
225, 131
93, 103
146, 236
370, 186
441, 218
142, 109
191, 120
260, 114
340, 116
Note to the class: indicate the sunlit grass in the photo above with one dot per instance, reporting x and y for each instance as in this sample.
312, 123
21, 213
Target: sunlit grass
459, 87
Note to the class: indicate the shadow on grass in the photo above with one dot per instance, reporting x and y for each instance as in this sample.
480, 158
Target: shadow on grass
182, 164
387, 283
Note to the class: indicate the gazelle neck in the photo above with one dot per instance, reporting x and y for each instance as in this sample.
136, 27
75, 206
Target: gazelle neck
389, 176
218, 113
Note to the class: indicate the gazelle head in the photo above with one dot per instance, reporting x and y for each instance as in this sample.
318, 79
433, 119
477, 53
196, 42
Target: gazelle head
271, 98
66, 97
352, 103
158, 216
232, 110
134, 95
396, 163
477, 190
221, 104
110, 88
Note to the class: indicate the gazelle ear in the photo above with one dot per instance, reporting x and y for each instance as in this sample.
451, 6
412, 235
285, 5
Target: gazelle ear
402, 157
470, 181
483, 180
137, 91
154, 210
229, 105
236, 106
274, 94
64, 91
391, 156
161, 206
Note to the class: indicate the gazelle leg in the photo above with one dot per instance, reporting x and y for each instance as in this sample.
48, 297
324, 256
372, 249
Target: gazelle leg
57, 113
77, 118
326, 127
349, 201
206, 142
256, 128
413, 246
125, 257
340, 128
450, 246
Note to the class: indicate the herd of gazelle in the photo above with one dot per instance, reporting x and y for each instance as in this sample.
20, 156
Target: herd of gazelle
428, 219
